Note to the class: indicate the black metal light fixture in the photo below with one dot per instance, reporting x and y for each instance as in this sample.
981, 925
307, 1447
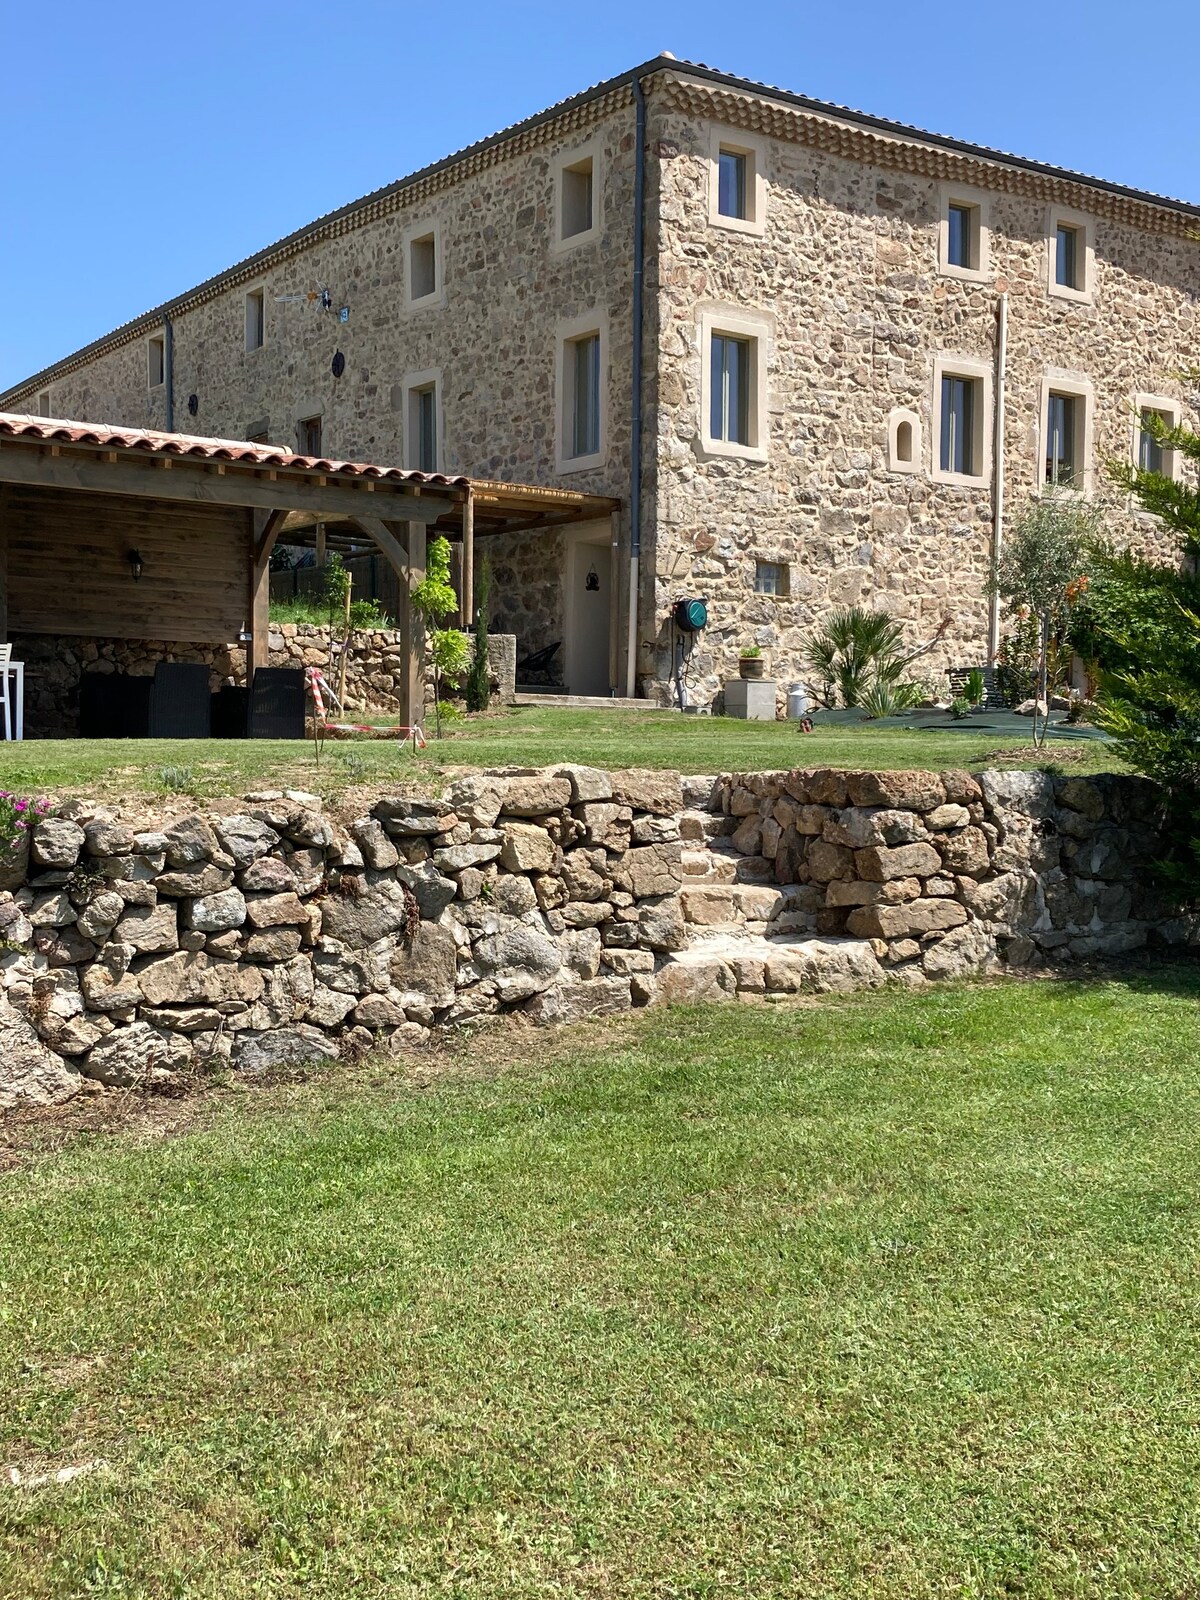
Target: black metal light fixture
193, 404
592, 581
135, 564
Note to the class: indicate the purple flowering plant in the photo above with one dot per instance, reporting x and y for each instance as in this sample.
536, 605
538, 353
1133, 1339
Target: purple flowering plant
18, 813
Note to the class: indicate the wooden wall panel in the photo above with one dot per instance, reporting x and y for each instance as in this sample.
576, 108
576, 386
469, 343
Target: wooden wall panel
68, 567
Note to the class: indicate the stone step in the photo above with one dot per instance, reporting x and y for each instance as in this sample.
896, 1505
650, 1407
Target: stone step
733, 966
709, 903
696, 826
703, 866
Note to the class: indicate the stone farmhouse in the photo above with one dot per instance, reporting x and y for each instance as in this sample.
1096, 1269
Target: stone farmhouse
818, 357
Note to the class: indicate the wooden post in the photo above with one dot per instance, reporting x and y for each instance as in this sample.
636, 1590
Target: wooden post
263, 532
345, 661
468, 560
320, 555
412, 636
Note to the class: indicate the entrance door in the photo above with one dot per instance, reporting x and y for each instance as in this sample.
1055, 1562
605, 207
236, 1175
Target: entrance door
588, 612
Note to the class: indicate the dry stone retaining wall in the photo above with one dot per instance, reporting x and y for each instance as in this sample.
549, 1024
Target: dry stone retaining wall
264, 934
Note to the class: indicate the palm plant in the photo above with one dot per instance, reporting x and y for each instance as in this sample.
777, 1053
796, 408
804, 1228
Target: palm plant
853, 649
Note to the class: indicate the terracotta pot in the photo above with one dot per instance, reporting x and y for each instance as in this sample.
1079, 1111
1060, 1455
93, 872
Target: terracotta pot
751, 666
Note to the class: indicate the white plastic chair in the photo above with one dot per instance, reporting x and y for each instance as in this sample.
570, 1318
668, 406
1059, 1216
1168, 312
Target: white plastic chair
5, 688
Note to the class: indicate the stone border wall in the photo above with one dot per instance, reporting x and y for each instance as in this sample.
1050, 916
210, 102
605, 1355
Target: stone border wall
263, 934
55, 665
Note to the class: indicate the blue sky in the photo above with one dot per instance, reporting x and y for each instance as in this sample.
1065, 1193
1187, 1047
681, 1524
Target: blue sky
151, 146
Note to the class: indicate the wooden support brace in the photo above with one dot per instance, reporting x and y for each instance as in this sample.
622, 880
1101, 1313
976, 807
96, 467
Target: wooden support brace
265, 527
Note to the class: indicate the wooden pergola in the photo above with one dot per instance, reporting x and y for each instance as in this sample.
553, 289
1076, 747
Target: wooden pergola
128, 533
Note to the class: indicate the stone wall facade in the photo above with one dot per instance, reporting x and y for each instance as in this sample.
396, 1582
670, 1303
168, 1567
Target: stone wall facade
842, 278
263, 934
54, 667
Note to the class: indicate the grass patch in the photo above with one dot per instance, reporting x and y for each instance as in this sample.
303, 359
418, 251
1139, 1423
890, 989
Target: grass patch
533, 736
888, 1297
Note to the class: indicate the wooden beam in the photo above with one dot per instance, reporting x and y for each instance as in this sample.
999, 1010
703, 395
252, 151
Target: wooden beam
384, 535
468, 561
269, 493
319, 541
264, 529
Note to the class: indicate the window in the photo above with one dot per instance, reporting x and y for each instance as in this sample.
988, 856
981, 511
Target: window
904, 441
44, 403
729, 389
1060, 440
737, 188
583, 364
1149, 455
259, 431
1070, 256
963, 235
308, 436
422, 268
581, 392
958, 426
731, 184
772, 577
423, 426
256, 323
156, 361
1066, 432
962, 399
576, 196
733, 393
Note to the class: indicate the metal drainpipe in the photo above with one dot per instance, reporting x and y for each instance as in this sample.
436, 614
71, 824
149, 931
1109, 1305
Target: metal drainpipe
998, 474
169, 371
635, 430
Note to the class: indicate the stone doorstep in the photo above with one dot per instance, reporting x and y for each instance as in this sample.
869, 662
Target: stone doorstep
738, 964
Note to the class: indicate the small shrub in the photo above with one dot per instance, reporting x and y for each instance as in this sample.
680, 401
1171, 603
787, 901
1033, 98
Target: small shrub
449, 712
478, 686
960, 707
176, 780
750, 652
976, 691
884, 699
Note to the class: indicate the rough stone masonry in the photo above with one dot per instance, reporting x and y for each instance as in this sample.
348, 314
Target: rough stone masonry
263, 934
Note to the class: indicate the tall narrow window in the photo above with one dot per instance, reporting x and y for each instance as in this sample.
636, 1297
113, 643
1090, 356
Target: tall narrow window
958, 426
256, 322
308, 434
44, 403
577, 199
155, 361
1060, 439
1151, 453
584, 372
731, 184
424, 428
959, 232
729, 392
1066, 256
422, 267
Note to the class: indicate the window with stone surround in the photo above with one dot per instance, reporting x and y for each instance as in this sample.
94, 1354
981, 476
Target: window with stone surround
256, 319
423, 420
733, 384
156, 360
1149, 455
963, 235
962, 403
308, 436
736, 185
581, 392
904, 441
424, 273
1070, 257
577, 175
1065, 456
773, 578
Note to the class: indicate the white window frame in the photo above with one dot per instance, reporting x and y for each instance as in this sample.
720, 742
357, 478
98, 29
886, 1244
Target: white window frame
947, 365
1084, 228
785, 571
566, 333
258, 293
754, 149
412, 382
437, 297
564, 161
1173, 412
979, 203
737, 323
896, 420
1055, 380
156, 341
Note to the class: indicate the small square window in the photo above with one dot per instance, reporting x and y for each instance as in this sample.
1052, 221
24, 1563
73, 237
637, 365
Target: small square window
422, 268
156, 361
308, 436
423, 423
583, 372
958, 445
577, 199
731, 184
256, 319
772, 577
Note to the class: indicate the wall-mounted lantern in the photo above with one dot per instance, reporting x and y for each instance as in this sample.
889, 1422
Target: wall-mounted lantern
592, 581
135, 564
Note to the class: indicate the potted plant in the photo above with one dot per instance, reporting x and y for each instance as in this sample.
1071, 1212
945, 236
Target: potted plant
750, 661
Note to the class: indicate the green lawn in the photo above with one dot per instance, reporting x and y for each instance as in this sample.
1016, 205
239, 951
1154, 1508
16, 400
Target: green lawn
534, 736
889, 1297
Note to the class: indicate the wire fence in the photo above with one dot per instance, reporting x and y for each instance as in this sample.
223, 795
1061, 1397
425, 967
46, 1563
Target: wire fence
374, 579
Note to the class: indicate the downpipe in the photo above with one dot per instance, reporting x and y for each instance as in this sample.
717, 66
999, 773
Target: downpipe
998, 476
635, 415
